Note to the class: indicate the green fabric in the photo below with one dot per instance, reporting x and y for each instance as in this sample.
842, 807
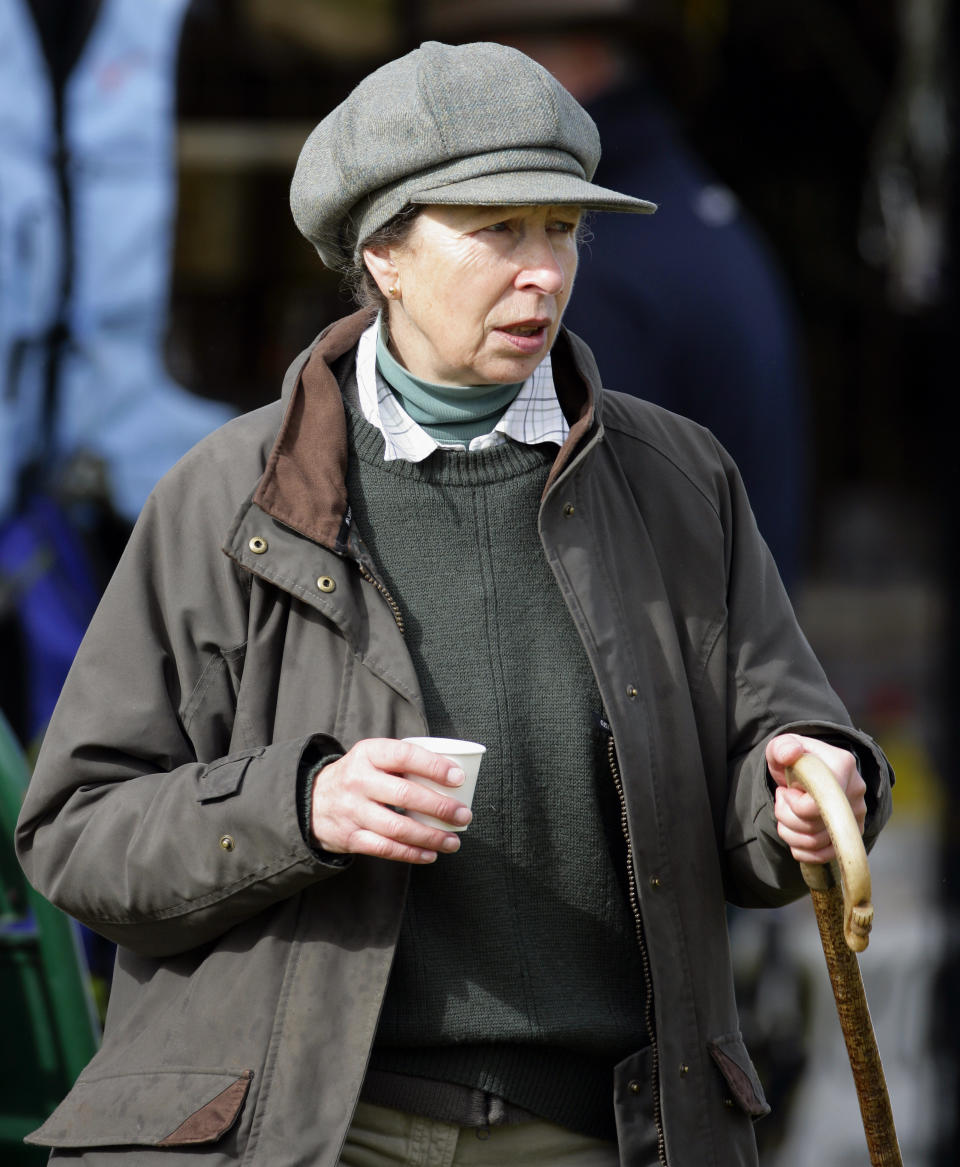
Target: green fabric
518, 970
449, 413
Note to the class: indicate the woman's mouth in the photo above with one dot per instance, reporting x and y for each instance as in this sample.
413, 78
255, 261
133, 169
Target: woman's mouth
528, 337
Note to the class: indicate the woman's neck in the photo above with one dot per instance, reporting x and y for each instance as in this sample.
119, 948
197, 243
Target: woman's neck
449, 413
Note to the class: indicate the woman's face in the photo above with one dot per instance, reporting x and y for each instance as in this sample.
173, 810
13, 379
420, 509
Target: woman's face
480, 290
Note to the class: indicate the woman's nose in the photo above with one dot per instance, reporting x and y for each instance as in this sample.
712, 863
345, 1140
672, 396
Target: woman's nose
540, 267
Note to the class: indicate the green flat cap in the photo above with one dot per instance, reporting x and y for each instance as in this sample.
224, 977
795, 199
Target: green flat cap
473, 125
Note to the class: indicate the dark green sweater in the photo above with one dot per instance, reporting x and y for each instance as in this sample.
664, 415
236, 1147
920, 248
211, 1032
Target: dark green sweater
518, 970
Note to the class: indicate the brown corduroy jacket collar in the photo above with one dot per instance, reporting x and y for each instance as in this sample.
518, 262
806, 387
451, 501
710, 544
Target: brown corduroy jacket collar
304, 483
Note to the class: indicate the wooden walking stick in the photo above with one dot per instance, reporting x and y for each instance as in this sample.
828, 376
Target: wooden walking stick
841, 899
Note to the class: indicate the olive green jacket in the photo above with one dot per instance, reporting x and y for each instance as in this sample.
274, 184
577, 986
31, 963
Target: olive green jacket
163, 810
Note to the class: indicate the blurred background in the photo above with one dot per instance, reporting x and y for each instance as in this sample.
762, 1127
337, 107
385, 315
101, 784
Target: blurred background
796, 292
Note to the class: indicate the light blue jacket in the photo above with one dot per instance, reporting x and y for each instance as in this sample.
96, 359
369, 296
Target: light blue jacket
115, 399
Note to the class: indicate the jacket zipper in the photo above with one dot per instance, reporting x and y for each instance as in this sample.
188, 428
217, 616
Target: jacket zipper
391, 602
644, 956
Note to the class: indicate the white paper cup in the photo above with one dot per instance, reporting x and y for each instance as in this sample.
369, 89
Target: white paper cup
467, 755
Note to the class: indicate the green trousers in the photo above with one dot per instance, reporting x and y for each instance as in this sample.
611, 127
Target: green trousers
380, 1137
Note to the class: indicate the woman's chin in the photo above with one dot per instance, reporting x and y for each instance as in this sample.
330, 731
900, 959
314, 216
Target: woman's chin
506, 373
509, 365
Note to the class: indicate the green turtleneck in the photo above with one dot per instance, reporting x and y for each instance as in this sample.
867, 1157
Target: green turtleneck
449, 413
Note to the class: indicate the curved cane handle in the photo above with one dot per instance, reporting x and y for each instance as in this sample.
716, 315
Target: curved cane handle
818, 781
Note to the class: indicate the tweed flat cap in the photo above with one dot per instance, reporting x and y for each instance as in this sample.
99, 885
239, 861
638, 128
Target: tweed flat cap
472, 125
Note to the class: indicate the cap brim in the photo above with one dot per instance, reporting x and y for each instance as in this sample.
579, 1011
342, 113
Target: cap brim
523, 188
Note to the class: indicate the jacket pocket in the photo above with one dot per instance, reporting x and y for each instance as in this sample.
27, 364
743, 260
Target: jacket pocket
159, 1108
222, 779
731, 1057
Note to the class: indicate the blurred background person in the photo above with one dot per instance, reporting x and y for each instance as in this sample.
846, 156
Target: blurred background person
89, 416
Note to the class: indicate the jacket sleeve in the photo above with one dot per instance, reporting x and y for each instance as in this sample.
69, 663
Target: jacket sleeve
139, 821
774, 685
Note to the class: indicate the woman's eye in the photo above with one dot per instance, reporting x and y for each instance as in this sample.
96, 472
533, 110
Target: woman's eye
496, 227
563, 227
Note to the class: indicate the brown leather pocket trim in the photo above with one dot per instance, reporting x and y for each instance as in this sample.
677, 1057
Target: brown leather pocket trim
743, 1083
207, 1124
141, 1107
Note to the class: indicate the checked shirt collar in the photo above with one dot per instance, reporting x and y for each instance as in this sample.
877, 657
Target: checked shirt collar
534, 415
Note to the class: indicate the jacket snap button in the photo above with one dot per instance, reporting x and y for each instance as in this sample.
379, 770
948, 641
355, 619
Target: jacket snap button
634, 1086
632, 692
227, 842
655, 882
326, 584
684, 1070
728, 1102
568, 509
257, 545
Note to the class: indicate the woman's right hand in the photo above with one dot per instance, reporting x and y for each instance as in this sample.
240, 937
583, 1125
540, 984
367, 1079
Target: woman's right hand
352, 806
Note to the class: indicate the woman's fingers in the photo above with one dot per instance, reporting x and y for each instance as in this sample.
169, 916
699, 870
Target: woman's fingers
363, 841
354, 800
365, 827
799, 822
400, 757
804, 832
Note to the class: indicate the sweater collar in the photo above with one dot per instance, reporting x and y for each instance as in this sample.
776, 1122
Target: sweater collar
304, 483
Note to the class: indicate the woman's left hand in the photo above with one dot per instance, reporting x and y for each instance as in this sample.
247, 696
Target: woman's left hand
798, 820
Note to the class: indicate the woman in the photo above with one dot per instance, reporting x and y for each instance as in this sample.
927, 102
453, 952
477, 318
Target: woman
445, 526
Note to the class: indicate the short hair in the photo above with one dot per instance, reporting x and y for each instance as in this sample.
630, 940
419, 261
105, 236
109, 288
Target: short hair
395, 232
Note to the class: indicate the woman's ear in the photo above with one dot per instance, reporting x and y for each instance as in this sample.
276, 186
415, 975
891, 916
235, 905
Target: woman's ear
379, 263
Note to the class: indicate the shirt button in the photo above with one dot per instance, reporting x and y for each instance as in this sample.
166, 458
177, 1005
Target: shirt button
227, 842
257, 545
326, 584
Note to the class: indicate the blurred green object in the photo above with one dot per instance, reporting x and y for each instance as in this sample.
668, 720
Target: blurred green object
49, 1029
